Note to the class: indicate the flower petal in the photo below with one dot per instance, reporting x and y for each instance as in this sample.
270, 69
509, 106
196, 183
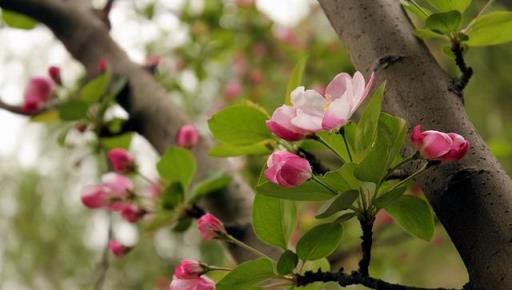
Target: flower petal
337, 114
337, 87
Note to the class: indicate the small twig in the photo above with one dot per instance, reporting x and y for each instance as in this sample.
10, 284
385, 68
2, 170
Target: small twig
467, 72
366, 222
19, 110
104, 263
316, 166
353, 279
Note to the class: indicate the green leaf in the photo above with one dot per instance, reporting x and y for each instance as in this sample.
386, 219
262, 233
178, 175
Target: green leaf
119, 141
342, 179
341, 202
315, 265
287, 262
247, 275
422, 13
444, 22
295, 78
414, 215
177, 165
345, 217
390, 139
491, 29
366, 130
448, 5
240, 125
173, 195
335, 141
274, 220
46, 117
210, 185
73, 110
309, 190
17, 20
182, 225
161, 219
425, 33
96, 88
389, 197
228, 150
320, 241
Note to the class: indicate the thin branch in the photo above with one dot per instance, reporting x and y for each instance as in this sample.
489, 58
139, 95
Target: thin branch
353, 279
104, 263
467, 72
19, 110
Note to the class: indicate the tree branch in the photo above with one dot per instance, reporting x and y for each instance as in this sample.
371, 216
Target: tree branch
472, 197
366, 223
155, 115
467, 72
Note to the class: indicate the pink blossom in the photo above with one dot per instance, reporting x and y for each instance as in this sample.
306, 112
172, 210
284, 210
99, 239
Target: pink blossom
121, 160
232, 90
102, 65
37, 92
131, 213
210, 227
286, 35
200, 283
54, 73
187, 136
95, 196
344, 94
287, 169
120, 185
188, 269
117, 248
435, 145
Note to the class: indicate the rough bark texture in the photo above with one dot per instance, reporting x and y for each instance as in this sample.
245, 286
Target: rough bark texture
472, 198
152, 110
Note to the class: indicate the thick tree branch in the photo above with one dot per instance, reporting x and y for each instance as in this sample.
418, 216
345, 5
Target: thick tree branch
366, 223
155, 115
473, 197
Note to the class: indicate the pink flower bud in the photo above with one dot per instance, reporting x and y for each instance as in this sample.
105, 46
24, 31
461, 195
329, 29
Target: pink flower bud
200, 283
118, 249
102, 65
188, 269
187, 136
54, 73
287, 169
131, 213
121, 160
232, 90
95, 196
37, 92
435, 145
286, 35
210, 227
120, 185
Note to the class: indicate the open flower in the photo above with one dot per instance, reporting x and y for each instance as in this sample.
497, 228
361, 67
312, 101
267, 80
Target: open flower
210, 227
37, 93
200, 283
311, 112
287, 169
435, 145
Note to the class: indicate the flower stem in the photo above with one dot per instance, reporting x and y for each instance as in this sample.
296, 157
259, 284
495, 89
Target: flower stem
328, 146
233, 240
400, 164
420, 171
319, 181
342, 132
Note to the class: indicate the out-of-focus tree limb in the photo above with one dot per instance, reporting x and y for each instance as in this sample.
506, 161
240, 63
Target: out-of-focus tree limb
473, 197
152, 111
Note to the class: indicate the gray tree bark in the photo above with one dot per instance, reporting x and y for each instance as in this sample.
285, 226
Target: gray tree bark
152, 111
473, 197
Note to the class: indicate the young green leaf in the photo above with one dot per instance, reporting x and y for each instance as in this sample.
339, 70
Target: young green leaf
119, 141
341, 202
448, 5
389, 197
421, 12
444, 22
274, 220
46, 117
177, 165
172, 196
228, 150
247, 275
287, 262
295, 78
334, 141
73, 110
491, 29
210, 185
345, 217
96, 88
17, 20
309, 190
424, 33
240, 125
342, 179
366, 130
414, 215
320, 241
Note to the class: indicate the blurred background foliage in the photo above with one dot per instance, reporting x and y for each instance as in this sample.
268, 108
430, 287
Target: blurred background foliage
217, 53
